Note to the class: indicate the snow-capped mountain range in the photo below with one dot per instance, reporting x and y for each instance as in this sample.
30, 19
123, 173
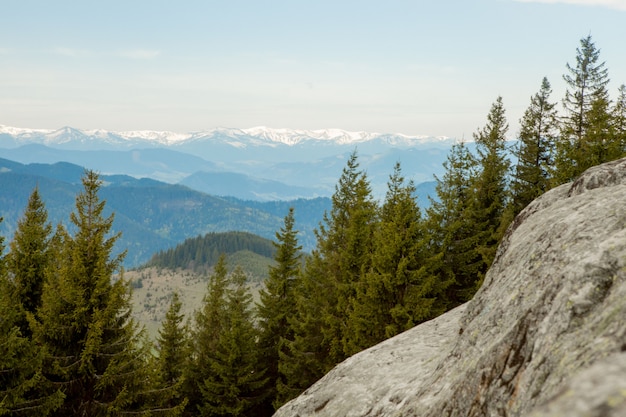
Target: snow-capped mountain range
238, 138
259, 163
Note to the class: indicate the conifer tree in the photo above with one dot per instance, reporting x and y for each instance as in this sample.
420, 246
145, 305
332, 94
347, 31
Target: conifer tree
172, 353
234, 386
619, 123
209, 323
489, 195
306, 357
21, 376
95, 352
598, 145
453, 238
535, 154
277, 304
398, 291
586, 82
329, 281
345, 245
29, 257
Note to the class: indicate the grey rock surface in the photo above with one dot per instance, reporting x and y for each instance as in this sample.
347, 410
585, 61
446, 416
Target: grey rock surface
544, 336
381, 378
598, 391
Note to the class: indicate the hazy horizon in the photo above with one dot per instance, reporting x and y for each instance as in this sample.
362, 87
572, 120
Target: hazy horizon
415, 68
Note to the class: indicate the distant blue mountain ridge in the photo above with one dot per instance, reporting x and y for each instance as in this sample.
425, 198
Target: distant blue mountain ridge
255, 164
164, 189
151, 215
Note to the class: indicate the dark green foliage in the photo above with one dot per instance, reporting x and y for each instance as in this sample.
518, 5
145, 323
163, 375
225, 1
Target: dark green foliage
29, 257
399, 290
343, 253
21, 380
22, 385
587, 82
329, 282
172, 354
209, 323
489, 195
467, 220
277, 305
345, 247
598, 145
586, 104
619, 123
453, 238
535, 155
202, 252
305, 358
95, 353
23, 388
233, 386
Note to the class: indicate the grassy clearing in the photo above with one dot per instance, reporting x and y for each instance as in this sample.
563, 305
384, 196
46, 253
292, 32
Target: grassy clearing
153, 288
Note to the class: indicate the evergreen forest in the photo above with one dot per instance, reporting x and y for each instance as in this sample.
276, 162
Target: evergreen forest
69, 345
202, 252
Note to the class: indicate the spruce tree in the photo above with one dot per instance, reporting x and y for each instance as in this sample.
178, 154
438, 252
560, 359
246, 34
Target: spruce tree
598, 145
586, 82
306, 357
398, 291
29, 256
453, 238
345, 246
489, 195
277, 304
535, 155
619, 124
172, 353
22, 384
234, 385
329, 281
95, 352
209, 323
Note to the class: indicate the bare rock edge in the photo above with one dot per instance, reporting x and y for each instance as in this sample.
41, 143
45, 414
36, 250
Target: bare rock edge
544, 336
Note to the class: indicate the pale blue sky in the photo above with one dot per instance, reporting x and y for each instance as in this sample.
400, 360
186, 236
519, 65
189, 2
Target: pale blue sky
414, 67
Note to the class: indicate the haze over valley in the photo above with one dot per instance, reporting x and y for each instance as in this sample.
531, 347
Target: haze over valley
256, 164
165, 187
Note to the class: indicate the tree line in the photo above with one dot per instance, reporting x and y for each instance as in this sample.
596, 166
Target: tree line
69, 346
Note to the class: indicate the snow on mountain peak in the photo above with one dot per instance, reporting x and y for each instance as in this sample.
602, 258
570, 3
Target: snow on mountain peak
163, 137
241, 138
19, 131
294, 136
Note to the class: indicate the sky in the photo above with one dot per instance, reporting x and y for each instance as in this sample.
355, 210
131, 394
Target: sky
415, 67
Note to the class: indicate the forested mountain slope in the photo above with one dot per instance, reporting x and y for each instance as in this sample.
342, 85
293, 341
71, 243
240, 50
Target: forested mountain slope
151, 215
202, 252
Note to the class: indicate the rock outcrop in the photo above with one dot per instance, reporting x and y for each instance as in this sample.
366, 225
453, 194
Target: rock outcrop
544, 336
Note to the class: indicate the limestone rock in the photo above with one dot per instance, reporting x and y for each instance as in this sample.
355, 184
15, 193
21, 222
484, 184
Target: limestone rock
544, 336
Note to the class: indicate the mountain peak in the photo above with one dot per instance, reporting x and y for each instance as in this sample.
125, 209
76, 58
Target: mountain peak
239, 138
